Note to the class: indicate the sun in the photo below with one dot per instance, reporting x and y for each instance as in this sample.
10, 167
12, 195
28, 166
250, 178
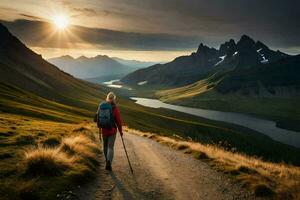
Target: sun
61, 21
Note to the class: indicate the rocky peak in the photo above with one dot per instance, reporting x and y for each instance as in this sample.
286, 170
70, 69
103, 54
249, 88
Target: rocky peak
202, 48
205, 52
245, 42
227, 48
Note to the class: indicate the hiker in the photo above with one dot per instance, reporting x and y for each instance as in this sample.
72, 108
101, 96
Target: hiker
108, 121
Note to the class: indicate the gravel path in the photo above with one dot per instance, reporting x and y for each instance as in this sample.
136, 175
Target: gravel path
160, 173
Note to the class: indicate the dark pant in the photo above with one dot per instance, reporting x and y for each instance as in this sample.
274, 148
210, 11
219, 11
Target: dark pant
108, 147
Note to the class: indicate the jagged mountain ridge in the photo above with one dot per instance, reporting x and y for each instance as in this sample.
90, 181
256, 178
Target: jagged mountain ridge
185, 70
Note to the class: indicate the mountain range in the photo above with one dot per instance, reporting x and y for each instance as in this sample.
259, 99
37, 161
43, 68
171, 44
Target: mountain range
97, 69
227, 61
134, 63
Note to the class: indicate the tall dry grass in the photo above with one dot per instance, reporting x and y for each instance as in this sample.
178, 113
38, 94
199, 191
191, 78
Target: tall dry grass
46, 161
81, 146
279, 180
78, 151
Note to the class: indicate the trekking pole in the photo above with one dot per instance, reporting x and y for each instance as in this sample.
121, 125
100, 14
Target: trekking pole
127, 155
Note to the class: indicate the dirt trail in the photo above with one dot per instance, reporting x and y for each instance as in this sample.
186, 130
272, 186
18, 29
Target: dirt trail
161, 173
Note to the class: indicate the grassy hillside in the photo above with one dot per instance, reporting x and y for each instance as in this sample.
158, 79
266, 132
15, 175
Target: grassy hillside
40, 159
18, 101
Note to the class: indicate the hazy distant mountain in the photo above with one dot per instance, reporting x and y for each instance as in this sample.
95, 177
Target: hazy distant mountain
100, 67
134, 63
184, 70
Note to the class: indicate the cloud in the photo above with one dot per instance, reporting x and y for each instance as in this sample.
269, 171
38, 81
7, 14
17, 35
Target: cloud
177, 23
30, 16
85, 11
42, 34
275, 22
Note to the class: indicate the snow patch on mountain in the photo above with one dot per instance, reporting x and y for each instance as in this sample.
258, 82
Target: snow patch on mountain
222, 59
143, 83
264, 59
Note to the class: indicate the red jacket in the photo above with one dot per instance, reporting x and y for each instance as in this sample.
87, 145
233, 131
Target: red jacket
118, 121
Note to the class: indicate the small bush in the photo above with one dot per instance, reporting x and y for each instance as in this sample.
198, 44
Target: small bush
152, 136
201, 156
182, 146
46, 162
51, 142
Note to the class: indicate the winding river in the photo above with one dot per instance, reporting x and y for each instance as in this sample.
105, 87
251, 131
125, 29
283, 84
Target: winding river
111, 84
266, 127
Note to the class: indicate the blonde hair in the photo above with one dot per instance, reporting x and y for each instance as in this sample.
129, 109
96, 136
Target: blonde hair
111, 97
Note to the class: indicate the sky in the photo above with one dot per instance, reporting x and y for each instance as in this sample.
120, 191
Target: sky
149, 30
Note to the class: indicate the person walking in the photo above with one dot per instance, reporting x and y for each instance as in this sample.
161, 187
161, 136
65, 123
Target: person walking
109, 121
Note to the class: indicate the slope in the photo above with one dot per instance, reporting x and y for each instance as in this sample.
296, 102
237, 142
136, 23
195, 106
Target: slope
22, 68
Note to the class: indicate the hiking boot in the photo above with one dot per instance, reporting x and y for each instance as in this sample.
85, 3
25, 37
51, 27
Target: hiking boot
108, 166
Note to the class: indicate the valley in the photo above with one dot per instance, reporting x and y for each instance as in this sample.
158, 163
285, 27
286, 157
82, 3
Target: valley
36, 96
244, 77
284, 111
263, 126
